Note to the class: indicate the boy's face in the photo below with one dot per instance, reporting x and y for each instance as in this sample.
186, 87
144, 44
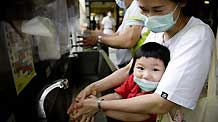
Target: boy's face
149, 68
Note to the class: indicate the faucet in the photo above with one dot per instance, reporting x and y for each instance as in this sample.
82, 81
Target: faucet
61, 83
73, 54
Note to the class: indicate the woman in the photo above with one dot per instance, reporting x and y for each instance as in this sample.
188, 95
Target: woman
190, 42
149, 64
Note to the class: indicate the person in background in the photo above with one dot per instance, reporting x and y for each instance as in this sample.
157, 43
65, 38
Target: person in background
190, 42
149, 64
108, 26
93, 23
127, 34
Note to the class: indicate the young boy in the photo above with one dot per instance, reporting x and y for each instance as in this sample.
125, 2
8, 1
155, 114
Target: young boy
149, 64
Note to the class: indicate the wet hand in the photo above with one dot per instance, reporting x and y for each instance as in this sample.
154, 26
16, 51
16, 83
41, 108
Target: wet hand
90, 38
84, 118
89, 41
87, 107
91, 89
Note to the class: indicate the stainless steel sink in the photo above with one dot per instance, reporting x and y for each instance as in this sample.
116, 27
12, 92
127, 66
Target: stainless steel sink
89, 65
81, 69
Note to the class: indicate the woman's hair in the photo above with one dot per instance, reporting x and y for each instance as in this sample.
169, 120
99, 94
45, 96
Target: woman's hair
154, 50
187, 10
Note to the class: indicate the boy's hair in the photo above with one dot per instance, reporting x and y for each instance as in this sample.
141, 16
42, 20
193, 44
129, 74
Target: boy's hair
154, 50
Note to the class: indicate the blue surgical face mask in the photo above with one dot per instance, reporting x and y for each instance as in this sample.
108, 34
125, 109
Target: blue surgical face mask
121, 3
145, 84
161, 23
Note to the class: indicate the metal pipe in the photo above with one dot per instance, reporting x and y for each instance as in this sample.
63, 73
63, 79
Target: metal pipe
62, 83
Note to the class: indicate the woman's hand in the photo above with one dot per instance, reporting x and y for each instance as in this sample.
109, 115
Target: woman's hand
83, 118
89, 41
87, 107
90, 38
90, 89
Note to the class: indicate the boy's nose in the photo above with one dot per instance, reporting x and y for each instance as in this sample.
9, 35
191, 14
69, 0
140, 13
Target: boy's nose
147, 75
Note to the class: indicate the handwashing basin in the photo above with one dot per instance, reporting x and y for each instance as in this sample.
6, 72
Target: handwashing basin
89, 65
81, 69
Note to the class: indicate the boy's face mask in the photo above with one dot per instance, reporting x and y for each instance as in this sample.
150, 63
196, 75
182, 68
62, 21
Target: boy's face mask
121, 4
161, 23
145, 84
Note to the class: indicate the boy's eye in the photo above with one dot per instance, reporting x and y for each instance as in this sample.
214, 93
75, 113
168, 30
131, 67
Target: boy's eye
140, 68
155, 69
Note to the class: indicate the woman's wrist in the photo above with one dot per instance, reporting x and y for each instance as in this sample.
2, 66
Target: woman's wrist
99, 104
99, 39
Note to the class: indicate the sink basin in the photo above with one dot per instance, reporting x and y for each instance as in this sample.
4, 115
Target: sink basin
80, 69
89, 66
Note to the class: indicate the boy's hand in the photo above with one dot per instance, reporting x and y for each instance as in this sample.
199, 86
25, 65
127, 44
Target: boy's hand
87, 107
90, 89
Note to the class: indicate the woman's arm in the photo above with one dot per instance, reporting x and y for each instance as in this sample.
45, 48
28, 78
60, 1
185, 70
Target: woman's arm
145, 104
113, 80
137, 108
91, 105
125, 39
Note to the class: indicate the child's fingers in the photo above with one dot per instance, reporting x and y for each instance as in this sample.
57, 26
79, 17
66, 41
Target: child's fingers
76, 115
71, 118
72, 107
83, 119
88, 119
93, 119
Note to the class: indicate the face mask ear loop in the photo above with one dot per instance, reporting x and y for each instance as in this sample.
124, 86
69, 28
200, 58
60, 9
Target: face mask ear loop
175, 10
